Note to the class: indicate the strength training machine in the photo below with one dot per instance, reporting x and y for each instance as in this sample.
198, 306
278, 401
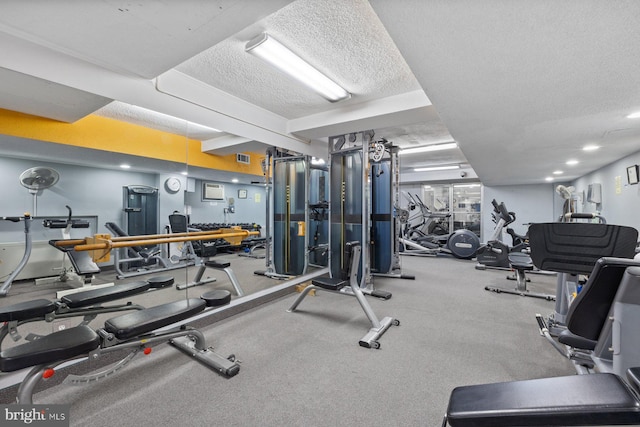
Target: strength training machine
297, 214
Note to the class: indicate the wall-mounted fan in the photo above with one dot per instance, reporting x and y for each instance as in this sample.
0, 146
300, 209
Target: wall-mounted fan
37, 179
566, 193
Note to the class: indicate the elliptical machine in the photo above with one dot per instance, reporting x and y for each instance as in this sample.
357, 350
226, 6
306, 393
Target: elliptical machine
416, 240
495, 253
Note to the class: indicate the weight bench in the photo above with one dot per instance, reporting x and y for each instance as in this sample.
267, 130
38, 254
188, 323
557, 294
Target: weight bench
349, 280
135, 331
84, 303
578, 400
520, 262
224, 266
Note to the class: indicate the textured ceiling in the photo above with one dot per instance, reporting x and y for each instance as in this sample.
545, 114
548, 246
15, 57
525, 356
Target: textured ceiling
521, 86
343, 39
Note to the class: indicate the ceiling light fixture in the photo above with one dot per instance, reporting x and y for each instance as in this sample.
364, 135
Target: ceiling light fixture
572, 162
558, 172
316, 161
549, 178
591, 147
466, 185
635, 115
436, 168
125, 166
427, 148
272, 51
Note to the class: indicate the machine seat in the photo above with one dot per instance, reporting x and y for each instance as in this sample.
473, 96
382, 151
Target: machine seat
329, 283
218, 265
97, 296
520, 261
55, 347
578, 400
217, 297
26, 310
576, 341
157, 282
141, 322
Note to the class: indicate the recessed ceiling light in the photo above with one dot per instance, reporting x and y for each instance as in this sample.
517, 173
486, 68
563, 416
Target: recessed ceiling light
558, 172
635, 115
125, 166
235, 180
185, 173
572, 162
549, 178
591, 147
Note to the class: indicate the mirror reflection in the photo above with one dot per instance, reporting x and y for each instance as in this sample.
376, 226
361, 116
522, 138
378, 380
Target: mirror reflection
96, 230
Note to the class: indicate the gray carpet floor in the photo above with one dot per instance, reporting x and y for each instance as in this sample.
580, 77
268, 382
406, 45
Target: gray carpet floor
306, 368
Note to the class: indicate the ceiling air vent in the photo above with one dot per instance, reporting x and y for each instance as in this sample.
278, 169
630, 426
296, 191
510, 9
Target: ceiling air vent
243, 158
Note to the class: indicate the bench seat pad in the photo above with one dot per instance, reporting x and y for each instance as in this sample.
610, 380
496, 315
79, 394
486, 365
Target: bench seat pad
26, 310
55, 347
329, 283
110, 293
219, 265
578, 400
144, 321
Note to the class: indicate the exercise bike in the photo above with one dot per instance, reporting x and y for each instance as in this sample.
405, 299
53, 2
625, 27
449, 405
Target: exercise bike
495, 253
416, 240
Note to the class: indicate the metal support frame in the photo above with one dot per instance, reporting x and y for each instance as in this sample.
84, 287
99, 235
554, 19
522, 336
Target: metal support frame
187, 339
378, 327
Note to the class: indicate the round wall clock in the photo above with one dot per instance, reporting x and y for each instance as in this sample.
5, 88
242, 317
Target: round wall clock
172, 185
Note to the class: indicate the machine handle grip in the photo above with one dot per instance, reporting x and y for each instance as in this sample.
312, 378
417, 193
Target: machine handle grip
12, 218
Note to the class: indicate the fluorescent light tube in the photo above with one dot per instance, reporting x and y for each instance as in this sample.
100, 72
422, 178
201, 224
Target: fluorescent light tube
270, 50
427, 148
436, 168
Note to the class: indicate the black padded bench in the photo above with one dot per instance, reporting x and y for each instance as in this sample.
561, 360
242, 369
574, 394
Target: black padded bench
144, 321
133, 331
98, 296
578, 400
58, 346
329, 283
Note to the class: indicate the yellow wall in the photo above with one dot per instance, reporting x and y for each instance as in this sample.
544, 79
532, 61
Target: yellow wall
106, 134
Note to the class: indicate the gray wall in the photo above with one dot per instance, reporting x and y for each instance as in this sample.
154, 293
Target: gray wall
89, 191
530, 203
249, 210
620, 201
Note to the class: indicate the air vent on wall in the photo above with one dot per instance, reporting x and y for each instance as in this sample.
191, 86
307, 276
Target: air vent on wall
243, 158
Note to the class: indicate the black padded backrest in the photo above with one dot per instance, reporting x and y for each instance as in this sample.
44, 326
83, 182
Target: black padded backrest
574, 247
178, 223
589, 310
348, 253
